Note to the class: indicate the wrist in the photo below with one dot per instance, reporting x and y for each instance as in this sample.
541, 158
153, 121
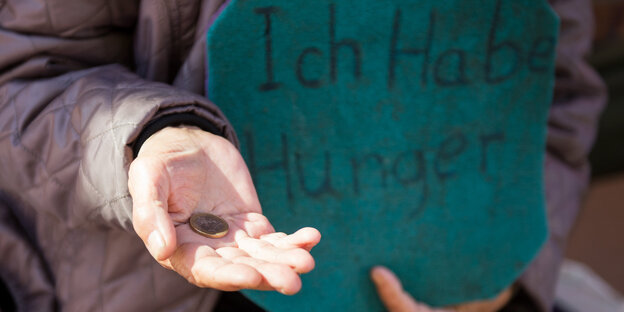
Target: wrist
173, 120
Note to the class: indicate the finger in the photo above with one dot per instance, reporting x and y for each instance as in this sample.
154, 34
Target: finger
149, 187
254, 224
202, 266
236, 255
299, 259
392, 294
278, 277
166, 264
273, 237
305, 238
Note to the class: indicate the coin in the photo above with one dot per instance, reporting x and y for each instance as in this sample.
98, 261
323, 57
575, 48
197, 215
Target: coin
209, 225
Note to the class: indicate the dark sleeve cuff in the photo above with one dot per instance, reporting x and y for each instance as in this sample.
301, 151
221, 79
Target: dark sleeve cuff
188, 119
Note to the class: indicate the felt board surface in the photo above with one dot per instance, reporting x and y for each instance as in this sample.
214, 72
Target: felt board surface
410, 133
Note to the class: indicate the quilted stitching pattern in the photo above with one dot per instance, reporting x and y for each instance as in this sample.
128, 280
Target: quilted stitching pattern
65, 143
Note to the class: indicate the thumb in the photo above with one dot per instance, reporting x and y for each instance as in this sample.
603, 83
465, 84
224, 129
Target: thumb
148, 183
392, 294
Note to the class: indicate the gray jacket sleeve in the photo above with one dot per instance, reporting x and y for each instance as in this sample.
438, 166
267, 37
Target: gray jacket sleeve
65, 142
69, 119
579, 98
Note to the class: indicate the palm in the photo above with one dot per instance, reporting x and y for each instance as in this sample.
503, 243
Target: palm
192, 171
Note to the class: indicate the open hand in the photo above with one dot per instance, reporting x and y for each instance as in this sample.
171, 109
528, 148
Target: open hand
183, 170
396, 299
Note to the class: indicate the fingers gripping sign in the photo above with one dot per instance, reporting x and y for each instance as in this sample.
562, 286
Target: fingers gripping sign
396, 299
182, 172
392, 294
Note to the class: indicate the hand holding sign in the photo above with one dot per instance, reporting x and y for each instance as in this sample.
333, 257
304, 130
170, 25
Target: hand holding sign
395, 299
181, 171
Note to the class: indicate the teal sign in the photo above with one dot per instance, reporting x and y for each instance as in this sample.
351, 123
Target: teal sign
411, 133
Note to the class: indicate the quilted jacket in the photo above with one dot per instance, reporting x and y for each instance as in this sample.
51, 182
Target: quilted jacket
79, 82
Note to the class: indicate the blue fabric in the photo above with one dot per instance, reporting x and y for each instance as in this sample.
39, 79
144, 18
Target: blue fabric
410, 133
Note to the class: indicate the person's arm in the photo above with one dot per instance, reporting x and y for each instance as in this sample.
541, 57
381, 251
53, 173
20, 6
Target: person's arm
68, 127
67, 141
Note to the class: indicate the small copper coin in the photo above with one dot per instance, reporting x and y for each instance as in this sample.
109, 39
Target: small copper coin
209, 225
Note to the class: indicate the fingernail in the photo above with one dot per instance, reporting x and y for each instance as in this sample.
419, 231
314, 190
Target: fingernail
377, 274
155, 243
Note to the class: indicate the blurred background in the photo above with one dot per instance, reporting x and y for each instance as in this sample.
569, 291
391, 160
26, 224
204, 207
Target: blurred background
596, 245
